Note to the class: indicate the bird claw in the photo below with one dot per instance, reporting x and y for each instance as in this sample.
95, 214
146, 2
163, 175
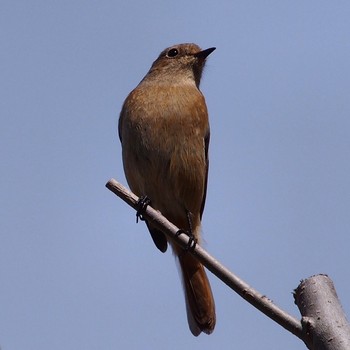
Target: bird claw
192, 241
142, 205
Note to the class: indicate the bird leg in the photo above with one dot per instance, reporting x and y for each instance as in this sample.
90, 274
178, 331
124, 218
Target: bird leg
192, 241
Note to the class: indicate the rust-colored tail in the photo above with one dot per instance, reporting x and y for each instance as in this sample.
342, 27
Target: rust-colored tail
199, 298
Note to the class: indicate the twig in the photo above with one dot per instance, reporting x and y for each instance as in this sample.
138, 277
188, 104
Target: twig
258, 300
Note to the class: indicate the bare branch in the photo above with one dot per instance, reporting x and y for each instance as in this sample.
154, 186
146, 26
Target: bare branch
324, 322
258, 300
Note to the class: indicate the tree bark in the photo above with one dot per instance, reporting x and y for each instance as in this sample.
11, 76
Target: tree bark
324, 323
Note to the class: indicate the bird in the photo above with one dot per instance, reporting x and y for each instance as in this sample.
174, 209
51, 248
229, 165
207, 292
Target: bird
164, 132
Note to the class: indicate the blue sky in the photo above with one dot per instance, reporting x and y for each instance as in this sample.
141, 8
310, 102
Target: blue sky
76, 271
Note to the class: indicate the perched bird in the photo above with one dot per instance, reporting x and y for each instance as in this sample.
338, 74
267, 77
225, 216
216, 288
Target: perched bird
164, 132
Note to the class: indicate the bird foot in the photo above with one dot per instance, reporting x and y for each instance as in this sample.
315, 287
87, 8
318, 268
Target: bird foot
142, 204
192, 241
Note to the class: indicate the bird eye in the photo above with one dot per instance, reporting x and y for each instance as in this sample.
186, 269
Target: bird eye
172, 52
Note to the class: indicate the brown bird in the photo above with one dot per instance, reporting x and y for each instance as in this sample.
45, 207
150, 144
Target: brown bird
164, 131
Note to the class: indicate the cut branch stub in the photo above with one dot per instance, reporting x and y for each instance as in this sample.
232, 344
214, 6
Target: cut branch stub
324, 323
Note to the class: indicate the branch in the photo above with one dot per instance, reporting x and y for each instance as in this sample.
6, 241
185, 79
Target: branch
258, 300
324, 322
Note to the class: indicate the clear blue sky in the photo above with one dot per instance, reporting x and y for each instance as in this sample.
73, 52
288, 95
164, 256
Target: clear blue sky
76, 272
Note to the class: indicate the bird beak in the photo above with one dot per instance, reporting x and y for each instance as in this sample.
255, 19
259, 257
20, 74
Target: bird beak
204, 53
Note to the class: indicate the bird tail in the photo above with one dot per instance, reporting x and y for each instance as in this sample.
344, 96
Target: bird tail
199, 298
